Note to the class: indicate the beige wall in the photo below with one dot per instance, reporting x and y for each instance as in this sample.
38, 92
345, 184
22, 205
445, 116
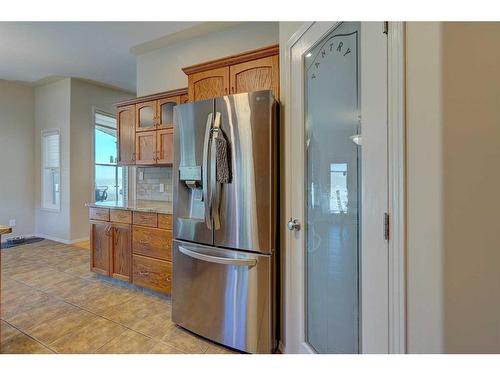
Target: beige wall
471, 183
68, 105
85, 96
17, 193
160, 70
52, 111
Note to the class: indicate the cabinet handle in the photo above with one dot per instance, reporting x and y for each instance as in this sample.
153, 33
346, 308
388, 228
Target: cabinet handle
225, 90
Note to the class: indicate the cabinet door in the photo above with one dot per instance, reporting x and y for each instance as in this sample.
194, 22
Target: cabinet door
146, 116
166, 111
145, 147
208, 84
165, 146
100, 247
126, 135
184, 98
152, 273
122, 252
255, 75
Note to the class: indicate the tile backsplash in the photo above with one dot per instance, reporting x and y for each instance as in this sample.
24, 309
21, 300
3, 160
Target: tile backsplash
149, 186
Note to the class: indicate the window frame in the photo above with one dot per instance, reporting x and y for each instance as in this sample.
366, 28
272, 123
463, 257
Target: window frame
43, 133
116, 166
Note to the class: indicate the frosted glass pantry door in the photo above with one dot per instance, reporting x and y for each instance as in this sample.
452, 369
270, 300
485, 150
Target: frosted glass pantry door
333, 188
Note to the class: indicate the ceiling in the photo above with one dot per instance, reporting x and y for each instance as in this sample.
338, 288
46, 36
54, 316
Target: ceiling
98, 51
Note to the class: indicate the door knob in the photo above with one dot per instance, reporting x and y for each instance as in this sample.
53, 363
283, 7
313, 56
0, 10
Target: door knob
293, 224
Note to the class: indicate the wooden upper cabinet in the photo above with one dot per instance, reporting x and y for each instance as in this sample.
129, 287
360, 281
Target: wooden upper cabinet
184, 98
166, 111
126, 135
165, 146
145, 147
146, 116
250, 71
208, 84
255, 75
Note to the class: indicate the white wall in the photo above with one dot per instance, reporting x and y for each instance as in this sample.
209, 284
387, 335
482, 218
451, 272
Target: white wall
424, 144
160, 70
52, 111
84, 97
17, 192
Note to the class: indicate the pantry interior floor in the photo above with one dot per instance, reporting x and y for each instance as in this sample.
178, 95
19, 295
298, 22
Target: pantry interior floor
52, 303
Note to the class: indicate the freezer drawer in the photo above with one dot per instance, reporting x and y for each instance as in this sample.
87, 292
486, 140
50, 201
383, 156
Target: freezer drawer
226, 296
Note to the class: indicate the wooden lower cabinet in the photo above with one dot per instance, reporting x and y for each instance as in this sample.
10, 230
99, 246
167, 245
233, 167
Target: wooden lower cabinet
152, 273
122, 252
132, 246
100, 243
152, 242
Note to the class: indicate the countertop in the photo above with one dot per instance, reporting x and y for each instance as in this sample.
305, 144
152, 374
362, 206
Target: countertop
161, 207
5, 230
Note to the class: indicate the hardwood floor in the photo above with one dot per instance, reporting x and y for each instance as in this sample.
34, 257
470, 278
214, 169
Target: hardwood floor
52, 303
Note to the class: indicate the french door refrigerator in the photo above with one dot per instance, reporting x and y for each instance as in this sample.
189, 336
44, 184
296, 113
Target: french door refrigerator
225, 180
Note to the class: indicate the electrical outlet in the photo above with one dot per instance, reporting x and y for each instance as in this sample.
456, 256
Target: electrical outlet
162, 188
12, 222
141, 175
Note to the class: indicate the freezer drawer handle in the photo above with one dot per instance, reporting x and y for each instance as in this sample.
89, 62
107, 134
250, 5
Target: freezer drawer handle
220, 260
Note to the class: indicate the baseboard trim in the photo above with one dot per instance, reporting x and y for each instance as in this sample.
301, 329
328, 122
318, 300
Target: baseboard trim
64, 241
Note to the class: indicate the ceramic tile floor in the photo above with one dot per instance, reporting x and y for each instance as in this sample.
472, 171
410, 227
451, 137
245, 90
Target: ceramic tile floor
52, 303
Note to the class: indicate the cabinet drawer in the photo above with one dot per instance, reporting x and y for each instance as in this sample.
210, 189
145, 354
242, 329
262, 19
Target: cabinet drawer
96, 213
120, 216
152, 273
164, 221
152, 242
148, 219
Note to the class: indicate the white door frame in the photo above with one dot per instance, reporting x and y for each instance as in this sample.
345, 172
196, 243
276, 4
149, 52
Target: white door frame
396, 187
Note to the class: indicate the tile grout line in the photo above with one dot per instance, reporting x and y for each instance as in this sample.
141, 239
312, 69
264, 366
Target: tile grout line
27, 334
96, 315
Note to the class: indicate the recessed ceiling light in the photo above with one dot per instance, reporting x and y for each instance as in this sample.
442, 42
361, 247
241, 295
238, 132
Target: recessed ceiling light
309, 54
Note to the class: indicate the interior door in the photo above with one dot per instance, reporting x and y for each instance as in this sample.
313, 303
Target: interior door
337, 284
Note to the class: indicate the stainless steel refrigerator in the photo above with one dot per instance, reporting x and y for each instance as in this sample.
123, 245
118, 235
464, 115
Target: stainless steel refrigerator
225, 180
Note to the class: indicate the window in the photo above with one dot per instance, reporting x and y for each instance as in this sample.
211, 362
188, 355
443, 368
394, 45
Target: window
51, 171
339, 197
110, 180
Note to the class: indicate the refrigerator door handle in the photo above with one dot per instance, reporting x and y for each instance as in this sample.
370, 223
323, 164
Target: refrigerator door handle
207, 193
214, 186
219, 260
